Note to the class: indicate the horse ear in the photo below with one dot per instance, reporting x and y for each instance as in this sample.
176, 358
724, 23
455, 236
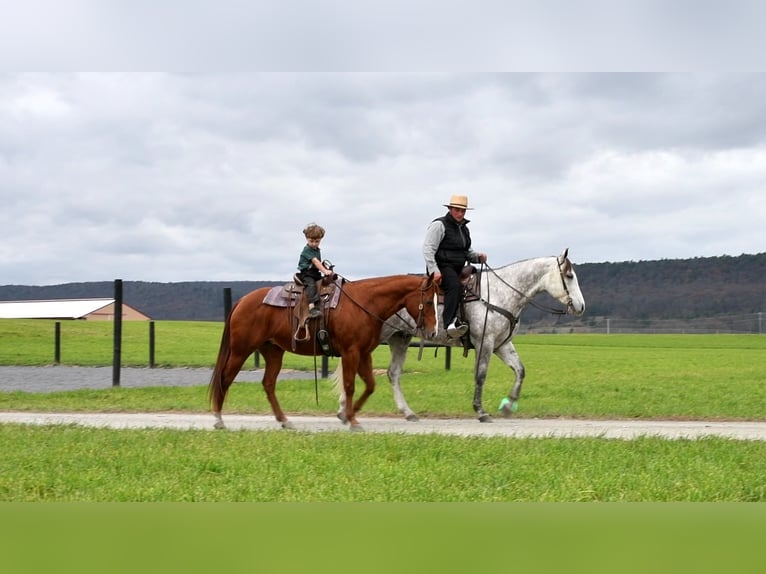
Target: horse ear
564, 255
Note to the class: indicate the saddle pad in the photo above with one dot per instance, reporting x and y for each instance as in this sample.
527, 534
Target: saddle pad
286, 296
281, 296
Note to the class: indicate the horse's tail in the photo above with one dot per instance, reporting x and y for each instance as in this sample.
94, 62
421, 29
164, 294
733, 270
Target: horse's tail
216, 389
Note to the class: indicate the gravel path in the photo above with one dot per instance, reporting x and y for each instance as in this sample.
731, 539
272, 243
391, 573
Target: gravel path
62, 378
58, 378
562, 428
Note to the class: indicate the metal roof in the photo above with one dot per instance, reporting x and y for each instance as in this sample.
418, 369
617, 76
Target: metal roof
52, 309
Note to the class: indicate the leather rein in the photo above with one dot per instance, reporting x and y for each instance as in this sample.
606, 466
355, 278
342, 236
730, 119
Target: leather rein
420, 321
529, 300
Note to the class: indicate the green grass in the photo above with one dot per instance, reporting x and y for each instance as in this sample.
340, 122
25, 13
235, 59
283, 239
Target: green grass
67, 463
31, 342
604, 376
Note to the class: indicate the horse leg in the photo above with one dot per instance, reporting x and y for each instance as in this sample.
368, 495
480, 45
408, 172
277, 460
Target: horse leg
273, 356
229, 372
507, 353
338, 377
365, 372
350, 364
480, 376
398, 344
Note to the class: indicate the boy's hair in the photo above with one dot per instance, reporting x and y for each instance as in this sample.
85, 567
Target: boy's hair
313, 231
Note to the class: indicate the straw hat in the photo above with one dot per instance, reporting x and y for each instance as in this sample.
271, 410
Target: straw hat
459, 201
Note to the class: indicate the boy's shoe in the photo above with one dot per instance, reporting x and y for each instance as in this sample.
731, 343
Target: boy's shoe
315, 313
454, 330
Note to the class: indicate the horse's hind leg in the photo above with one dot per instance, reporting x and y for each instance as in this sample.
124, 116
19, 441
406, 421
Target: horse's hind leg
229, 372
273, 356
398, 344
480, 376
227, 367
507, 353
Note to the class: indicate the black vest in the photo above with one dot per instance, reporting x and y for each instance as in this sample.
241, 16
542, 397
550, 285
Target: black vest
454, 248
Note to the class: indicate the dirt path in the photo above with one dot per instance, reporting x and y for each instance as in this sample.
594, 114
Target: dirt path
58, 378
564, 428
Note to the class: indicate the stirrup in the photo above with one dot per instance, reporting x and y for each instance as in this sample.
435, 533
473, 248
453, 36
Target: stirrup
457, 331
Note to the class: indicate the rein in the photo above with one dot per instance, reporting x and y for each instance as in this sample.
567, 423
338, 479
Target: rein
527, 298
419, 323
512, 319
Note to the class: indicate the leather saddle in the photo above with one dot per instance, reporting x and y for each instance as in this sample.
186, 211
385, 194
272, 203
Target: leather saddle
470, 288
470, 285
291, 296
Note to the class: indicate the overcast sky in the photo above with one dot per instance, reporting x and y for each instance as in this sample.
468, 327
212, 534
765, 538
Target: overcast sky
163, 177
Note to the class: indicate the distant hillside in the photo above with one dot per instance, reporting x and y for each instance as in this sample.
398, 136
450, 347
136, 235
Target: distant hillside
678, 289
645, 290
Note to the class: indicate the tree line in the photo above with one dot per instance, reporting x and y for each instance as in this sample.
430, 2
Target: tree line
634, 290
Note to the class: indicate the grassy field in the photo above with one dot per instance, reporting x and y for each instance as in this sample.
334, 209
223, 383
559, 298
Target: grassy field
623, 376
67, 463
644, 376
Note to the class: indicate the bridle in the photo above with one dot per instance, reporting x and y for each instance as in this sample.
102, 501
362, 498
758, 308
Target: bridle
420, 322
512, 319
567, 266
563, 268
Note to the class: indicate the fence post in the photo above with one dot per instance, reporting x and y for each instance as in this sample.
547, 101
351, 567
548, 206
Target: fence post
448, 358
151, 344
57, 344
117, 358
226, 302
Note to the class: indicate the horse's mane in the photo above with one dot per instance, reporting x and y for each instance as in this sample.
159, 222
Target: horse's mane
528, 260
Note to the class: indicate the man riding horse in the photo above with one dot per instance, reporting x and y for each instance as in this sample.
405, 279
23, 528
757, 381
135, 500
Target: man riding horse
446, 250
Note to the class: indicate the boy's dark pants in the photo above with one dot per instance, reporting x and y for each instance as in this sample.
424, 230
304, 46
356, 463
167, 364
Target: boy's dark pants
309, 280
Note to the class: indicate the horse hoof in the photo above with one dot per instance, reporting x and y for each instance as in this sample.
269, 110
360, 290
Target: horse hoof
485, 418
509, 409
343, 418
219, 425
356, 428
287, 425
413, 418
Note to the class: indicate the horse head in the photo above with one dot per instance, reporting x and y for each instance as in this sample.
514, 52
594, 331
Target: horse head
570, 294
422, 306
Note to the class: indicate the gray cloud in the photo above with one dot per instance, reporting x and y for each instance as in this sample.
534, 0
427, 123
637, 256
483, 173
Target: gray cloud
174, 177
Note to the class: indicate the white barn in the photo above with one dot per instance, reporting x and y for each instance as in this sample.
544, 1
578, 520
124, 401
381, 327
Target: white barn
87, 309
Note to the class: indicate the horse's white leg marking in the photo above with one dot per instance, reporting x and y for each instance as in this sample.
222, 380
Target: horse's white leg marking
398, 344
507, 353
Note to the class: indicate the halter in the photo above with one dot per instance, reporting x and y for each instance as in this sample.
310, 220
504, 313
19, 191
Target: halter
564, 283
420, 322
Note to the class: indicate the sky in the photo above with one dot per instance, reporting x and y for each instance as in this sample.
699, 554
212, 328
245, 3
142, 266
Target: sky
203, 177
206, 174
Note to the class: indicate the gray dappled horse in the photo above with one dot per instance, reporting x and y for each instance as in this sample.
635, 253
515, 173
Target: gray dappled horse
493, 320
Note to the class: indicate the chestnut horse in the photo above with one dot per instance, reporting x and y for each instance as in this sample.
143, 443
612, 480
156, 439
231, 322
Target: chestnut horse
354, 327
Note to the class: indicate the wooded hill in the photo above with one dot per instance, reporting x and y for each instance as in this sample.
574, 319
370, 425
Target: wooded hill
643, 290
